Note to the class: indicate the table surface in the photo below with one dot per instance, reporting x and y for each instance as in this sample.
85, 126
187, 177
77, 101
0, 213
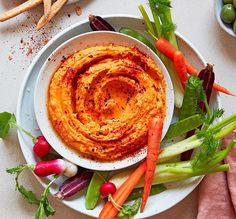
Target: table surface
20, 42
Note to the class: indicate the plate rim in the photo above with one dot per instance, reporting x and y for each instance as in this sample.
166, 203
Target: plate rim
29, 72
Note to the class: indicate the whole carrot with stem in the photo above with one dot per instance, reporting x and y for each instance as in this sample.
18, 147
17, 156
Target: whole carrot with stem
154, 141
110, 209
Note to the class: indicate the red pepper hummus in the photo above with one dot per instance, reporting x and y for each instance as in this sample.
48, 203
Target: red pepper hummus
101, 99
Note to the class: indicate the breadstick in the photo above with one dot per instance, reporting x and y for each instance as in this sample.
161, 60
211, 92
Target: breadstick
47, 7
19, 9
54, 10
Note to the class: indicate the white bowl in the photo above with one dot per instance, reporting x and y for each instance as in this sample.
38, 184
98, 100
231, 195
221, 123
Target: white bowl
226, 27
41, 93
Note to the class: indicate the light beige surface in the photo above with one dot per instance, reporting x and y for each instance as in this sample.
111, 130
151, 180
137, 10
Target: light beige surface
195, 20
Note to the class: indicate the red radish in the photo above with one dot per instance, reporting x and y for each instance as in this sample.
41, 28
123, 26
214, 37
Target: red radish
107, 188
46, 168
41, 146
180, 67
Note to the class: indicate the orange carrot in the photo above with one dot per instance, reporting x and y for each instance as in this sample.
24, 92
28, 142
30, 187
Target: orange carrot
190, 68
121, 194
222, 89
180, 67
154, 141
165, 48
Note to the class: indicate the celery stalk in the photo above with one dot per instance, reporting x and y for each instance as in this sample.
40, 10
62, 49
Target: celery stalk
146, 19
156, 18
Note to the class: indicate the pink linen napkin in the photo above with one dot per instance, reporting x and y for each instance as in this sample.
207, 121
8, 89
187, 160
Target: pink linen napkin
217, 192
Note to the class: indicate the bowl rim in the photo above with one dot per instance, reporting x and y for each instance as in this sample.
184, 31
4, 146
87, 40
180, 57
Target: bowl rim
55, 139
218, 5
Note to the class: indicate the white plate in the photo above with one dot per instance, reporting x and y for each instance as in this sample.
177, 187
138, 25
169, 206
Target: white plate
26, 117
41, 95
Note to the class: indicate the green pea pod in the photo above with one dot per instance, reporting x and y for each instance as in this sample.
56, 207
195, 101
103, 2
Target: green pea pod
184, 126
137, 193
93, 193
137, 36
191, 97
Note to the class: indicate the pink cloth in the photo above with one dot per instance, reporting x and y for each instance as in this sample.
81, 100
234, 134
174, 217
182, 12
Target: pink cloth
217, 192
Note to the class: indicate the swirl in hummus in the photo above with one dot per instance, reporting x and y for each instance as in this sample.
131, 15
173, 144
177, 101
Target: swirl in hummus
101, 99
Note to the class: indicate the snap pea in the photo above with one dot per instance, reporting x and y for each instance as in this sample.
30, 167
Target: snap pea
184, 126
137, 193
191, 97
93, 192
138, 36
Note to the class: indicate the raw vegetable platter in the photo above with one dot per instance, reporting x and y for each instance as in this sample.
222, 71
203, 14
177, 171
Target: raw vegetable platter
26, 118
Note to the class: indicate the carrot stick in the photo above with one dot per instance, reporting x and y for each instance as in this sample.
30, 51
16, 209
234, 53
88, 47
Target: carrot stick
154, 141
190, 68
222, 89
121, 194
180, 67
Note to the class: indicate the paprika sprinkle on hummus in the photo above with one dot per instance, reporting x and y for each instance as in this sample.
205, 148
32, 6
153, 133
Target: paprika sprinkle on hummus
101, 98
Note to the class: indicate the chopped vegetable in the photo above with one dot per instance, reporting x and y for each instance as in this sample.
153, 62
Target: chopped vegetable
93, 193
180, 67
107, 189
154, 140
98, 23
137, 36
183, 126
137, 193
75, 184
122, 193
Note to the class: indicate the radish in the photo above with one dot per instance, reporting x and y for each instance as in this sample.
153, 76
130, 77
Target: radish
41, 146
46, 168
107, 188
